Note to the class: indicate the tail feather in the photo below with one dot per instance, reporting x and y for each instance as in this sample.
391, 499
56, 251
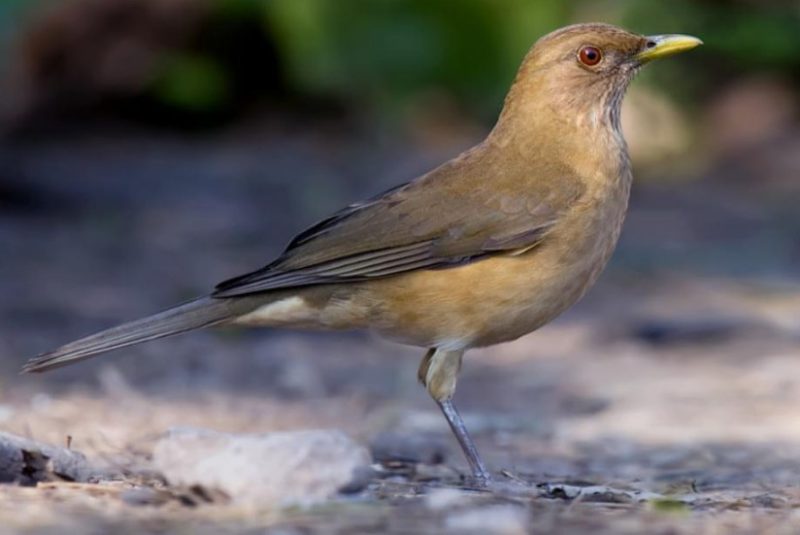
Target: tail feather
201, 312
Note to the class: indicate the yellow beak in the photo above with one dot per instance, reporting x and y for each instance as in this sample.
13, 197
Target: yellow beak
661, 46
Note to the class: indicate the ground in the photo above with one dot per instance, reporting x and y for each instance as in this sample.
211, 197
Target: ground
666, 402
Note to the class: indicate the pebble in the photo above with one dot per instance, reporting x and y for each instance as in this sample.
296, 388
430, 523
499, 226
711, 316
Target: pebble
27, 462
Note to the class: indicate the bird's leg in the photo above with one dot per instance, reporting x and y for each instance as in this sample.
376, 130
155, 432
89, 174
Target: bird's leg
424, 365
438, 371
479, 473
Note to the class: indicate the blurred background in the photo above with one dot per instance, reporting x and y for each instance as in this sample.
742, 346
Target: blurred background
151, 148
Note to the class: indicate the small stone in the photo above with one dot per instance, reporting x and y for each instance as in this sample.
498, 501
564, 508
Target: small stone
27, 462
269, 470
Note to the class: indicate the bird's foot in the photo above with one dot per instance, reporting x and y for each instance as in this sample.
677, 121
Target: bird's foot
505, 484
479, 481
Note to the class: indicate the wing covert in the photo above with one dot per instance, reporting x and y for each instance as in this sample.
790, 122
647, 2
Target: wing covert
432, 222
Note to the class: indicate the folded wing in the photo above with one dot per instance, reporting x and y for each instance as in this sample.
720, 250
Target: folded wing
415, 226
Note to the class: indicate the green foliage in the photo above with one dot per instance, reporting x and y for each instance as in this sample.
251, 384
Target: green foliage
191, 82
739, 40
390, 50
747, 37
386, 54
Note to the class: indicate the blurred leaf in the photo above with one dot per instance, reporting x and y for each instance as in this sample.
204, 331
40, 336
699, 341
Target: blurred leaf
238, 7
192, 82
300, 31
389, 56
767, 36
390, 50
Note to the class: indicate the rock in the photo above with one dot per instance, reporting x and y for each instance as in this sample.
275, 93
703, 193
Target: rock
268, 470
27, 462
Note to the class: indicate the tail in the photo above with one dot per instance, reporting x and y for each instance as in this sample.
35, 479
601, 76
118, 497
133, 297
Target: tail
201, 312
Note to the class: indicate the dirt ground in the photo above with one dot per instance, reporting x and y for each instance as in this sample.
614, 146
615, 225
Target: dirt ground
668, 401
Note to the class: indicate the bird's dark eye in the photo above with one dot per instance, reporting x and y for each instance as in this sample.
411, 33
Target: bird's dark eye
590, 55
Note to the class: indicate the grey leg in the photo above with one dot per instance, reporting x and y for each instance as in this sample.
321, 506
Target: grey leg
479, 472
438, 371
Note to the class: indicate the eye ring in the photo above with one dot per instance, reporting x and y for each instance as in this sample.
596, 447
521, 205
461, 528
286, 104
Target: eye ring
590, 55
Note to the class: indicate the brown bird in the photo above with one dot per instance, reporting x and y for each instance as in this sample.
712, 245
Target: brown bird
483, 249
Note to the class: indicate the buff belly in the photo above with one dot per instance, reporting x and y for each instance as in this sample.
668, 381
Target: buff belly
484, 303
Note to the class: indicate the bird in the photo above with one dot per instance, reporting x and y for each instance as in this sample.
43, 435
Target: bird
481, 250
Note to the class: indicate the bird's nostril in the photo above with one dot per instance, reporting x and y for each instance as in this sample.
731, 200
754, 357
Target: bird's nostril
650, 44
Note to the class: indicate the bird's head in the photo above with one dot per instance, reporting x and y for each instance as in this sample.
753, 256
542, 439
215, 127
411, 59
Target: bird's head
579, 74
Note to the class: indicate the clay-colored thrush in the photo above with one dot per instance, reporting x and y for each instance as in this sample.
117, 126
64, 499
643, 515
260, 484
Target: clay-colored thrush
483, 249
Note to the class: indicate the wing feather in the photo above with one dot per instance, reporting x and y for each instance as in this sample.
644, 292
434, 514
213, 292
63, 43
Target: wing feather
432, 222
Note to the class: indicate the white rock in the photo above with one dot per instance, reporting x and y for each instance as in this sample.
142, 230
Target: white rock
267, 470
